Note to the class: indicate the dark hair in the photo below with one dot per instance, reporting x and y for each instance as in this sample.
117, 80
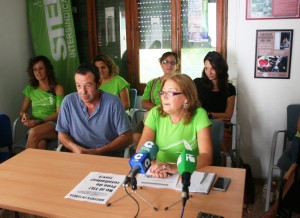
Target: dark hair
112, 67
189, 90
167, 54
49, 70
220, 66
87, 67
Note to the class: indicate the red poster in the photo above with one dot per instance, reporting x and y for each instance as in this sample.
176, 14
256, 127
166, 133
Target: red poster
272, 9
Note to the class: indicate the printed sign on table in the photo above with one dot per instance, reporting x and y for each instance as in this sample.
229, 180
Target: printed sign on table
96, 187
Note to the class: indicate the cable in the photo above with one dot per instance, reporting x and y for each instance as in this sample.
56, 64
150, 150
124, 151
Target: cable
138, 206
182, 211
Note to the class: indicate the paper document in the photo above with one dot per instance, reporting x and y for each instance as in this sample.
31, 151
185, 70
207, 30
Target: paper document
198, 184
148, 180
96, 187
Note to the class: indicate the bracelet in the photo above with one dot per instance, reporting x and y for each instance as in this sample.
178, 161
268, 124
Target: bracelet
209, 115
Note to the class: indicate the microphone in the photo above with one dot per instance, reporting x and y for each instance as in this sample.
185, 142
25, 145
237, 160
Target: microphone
140, 162
186, 164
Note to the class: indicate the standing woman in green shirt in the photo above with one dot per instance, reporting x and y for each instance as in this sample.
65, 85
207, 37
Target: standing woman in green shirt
111, 82
44, 95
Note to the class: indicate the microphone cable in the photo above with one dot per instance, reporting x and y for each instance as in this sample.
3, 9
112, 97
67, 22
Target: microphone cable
137, 203
182, 212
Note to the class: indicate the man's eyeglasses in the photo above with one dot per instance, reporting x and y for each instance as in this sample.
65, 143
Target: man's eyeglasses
165, 62
168, 93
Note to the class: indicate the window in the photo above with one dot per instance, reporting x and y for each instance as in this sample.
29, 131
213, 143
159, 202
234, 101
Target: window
137, 33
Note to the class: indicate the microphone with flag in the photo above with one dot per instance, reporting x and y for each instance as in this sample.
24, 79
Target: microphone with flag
186, 164
140, 162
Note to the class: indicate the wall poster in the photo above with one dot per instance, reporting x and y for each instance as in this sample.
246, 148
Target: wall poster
273, 53
272, 9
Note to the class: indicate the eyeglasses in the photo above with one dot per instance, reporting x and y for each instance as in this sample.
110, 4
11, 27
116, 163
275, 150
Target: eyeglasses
165, 62
168, 93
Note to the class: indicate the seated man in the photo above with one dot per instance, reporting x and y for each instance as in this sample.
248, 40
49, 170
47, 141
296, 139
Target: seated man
93, 121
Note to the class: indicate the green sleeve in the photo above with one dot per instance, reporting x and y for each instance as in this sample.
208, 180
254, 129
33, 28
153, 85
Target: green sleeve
151, 119
147, 90
122, 83
201, 119
59, 99
27, 90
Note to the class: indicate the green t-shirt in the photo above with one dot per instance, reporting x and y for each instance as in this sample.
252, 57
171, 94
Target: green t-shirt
43, 103
171, 138
115, 85
148, 88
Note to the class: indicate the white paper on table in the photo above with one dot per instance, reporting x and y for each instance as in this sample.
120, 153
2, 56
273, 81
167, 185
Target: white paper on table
96, 187
148, 180
196, 178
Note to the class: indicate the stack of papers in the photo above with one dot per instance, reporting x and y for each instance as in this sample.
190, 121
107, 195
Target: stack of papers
148, 180
196, 185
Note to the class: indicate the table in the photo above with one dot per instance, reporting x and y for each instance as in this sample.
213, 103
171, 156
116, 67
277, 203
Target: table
36, 181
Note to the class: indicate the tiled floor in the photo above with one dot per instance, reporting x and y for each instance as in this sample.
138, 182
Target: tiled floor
257, 209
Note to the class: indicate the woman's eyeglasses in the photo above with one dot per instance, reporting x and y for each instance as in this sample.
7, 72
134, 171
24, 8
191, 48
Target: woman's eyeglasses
168, 93
165, 62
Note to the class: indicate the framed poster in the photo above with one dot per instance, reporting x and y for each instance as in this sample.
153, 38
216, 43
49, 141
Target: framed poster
272, 9
273, 53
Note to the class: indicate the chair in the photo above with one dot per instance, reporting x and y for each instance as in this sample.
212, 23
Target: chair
293, 112
217, 132
134, 118
19, 138
233, 158
133, 111
289, 193
132, 97
6, 140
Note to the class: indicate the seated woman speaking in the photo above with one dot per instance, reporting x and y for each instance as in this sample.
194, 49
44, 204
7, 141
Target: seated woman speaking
179, 122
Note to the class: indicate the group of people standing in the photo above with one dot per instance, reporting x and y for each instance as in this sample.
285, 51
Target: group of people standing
93, 120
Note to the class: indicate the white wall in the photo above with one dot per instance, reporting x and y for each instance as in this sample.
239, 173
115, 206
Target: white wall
261, 103
14, 54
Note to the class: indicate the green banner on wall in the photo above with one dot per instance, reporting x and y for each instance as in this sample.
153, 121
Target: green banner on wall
53, 35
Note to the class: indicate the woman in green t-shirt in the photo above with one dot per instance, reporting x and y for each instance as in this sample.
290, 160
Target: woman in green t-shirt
178, 123
44, 95
111, 82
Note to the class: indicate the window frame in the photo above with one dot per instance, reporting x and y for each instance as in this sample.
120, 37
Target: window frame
132, 34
